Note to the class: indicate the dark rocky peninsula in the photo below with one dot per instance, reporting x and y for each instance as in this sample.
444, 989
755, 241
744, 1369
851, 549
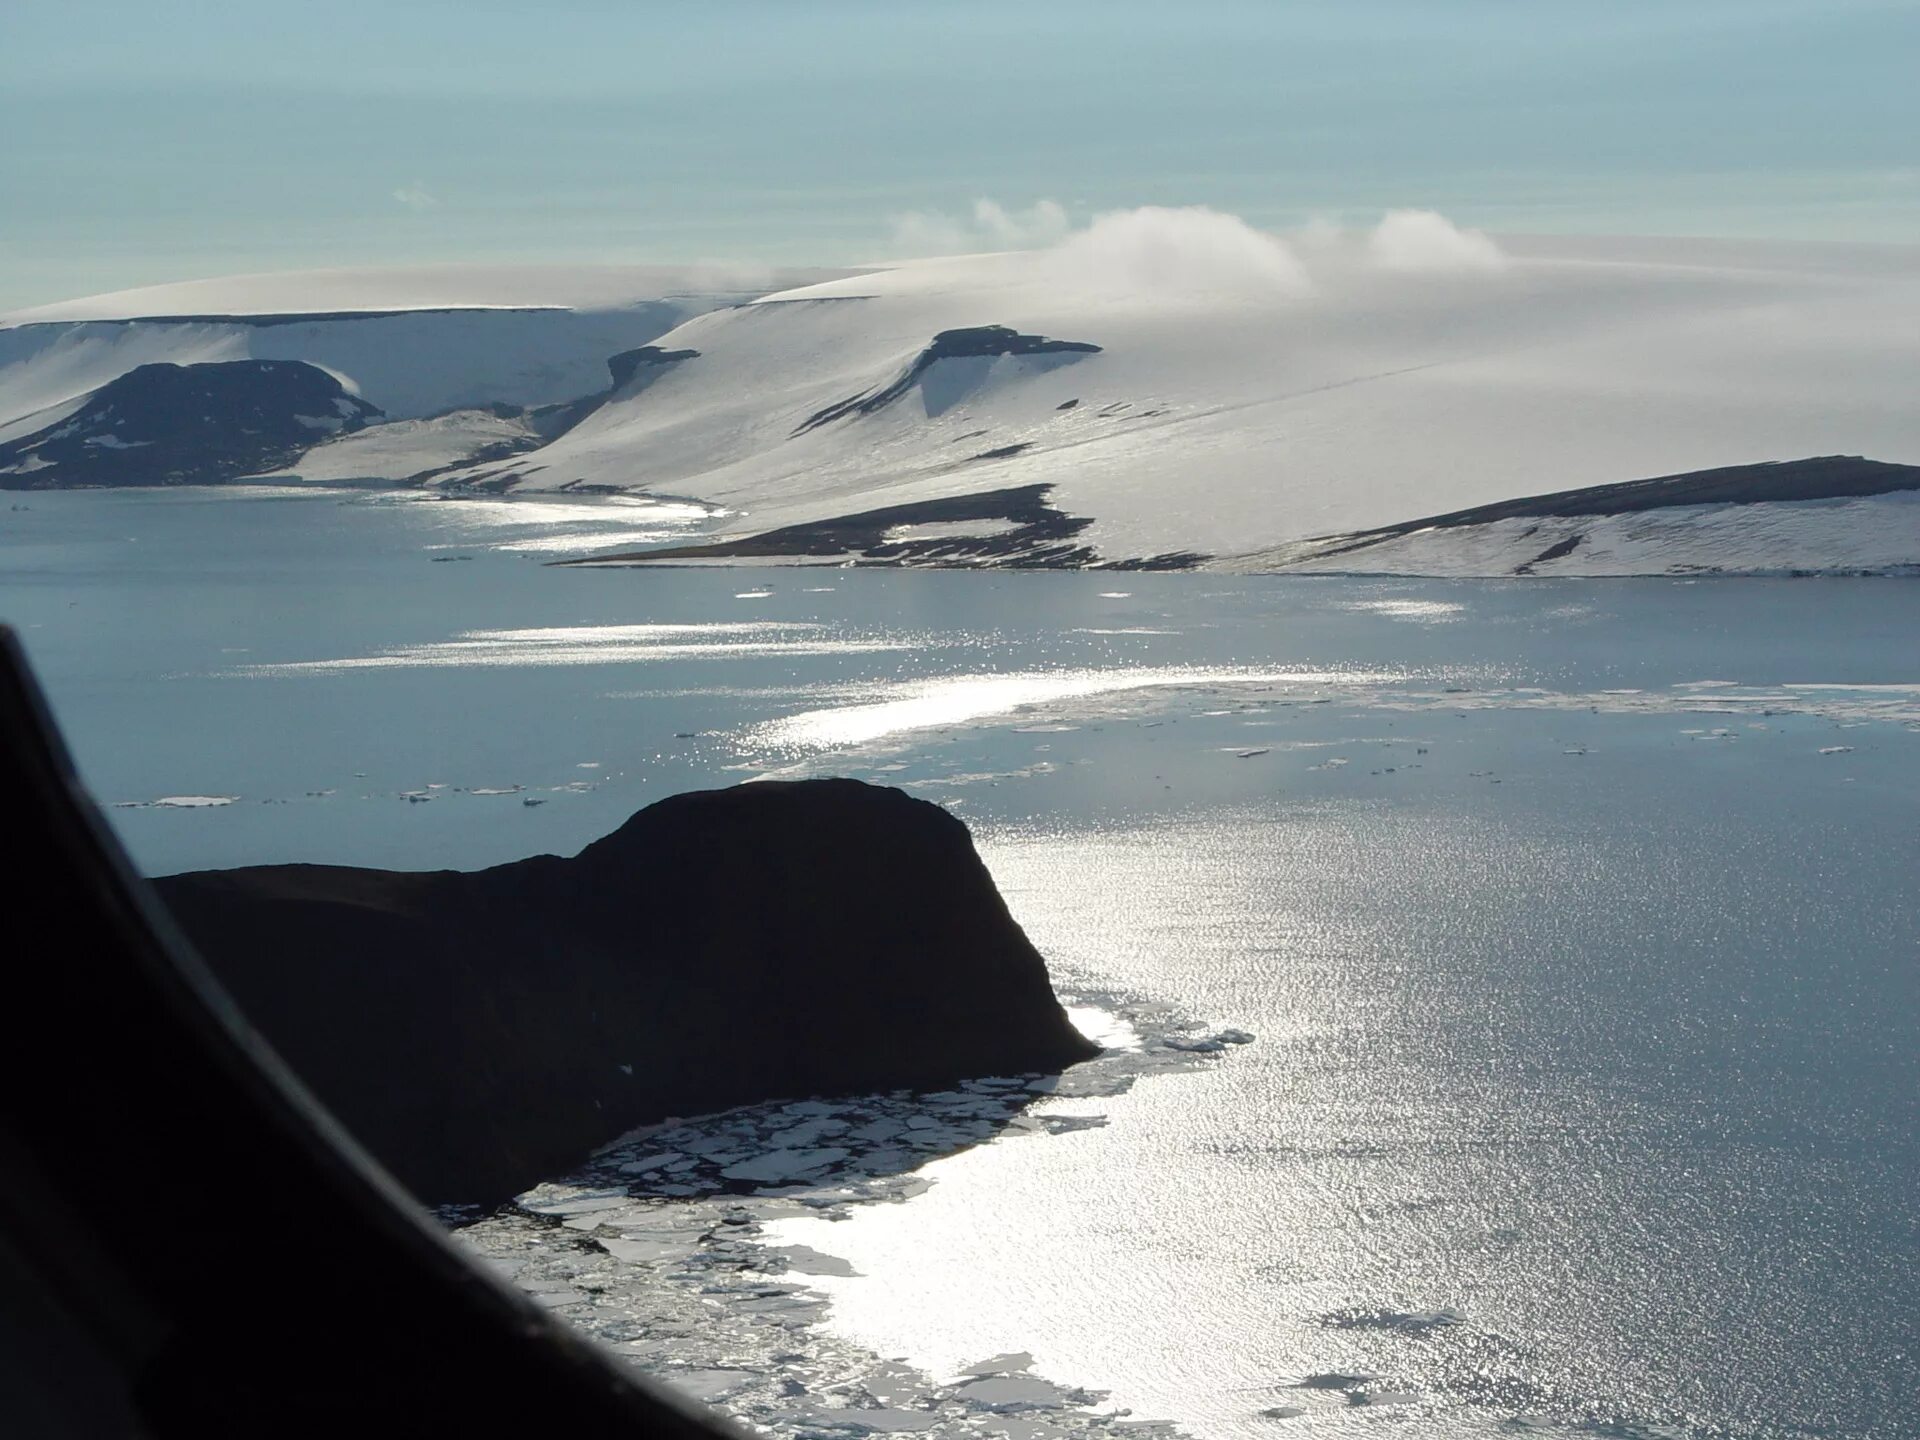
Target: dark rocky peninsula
479, 1031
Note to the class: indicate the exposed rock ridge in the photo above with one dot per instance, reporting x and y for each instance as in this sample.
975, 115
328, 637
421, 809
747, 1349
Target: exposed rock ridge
979, 341
1820, 477
624, 366
1030, 535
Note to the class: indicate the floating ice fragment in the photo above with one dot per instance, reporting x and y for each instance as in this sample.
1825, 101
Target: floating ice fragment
1836, 749
1002, 1364
710, 1385
1209, 1044
1013, 1392
810, 1132
875, 1422
805, 1260
194, 802
778, 1165
1067, 1124
580, 1204
1417, 1323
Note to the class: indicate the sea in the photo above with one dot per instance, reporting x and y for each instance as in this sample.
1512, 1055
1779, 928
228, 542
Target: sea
1513, 987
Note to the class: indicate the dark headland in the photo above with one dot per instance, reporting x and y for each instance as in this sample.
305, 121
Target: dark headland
480, 1031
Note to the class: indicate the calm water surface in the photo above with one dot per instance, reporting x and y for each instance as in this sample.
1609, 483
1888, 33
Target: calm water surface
1577, 922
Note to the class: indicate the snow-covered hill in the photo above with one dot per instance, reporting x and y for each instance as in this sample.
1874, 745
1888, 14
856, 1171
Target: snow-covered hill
1834, 514
411, 343
1161, 387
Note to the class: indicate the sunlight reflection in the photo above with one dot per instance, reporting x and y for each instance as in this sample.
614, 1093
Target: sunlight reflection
601, 645
959, 699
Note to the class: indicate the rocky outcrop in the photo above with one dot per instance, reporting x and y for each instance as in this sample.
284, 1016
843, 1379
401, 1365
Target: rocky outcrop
166, 424
1019, 529
976, 342
479, 1031
631, 371
647, 358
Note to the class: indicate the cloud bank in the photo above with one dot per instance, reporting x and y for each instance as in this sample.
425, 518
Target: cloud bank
1425, 240
1188, 249
1155, 249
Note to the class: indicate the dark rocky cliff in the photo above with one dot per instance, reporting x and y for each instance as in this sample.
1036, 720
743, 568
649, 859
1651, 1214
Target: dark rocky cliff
481, 1031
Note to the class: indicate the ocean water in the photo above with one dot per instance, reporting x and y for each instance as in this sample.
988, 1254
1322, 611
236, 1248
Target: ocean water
1576, 923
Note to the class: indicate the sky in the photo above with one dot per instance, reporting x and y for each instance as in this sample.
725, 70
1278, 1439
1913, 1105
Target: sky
144, 143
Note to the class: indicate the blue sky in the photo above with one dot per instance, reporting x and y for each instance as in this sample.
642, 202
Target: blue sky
147, 143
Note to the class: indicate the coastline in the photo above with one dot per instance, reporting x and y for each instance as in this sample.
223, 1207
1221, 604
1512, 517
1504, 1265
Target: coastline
665, 1246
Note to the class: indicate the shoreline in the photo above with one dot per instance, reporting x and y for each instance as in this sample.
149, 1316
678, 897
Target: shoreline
662, 1246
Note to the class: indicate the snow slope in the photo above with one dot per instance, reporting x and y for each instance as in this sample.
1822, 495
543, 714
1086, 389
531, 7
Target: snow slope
1875, 535
412, 342
1163, 384
1235, 406
406, 448
1828, 515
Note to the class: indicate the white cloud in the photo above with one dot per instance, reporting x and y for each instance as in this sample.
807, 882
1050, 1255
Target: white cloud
1155, 249
1425, 240
1192, 248
1044, 223
1150, 249
416, 197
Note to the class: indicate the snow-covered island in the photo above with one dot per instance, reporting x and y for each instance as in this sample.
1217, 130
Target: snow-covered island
1164, 388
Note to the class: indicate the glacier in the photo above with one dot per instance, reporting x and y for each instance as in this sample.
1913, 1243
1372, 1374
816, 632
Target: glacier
1162, 388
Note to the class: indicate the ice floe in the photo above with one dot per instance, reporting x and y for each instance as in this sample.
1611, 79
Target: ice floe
666, 1245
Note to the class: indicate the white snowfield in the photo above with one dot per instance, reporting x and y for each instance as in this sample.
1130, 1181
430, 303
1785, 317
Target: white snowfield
1872, 534
404, 448
427, 287
413, 342
1250, 391
1248, 396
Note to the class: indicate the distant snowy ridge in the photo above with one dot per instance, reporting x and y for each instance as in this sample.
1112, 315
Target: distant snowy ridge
1832, 514
412, 343
367, 290
1161, 387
